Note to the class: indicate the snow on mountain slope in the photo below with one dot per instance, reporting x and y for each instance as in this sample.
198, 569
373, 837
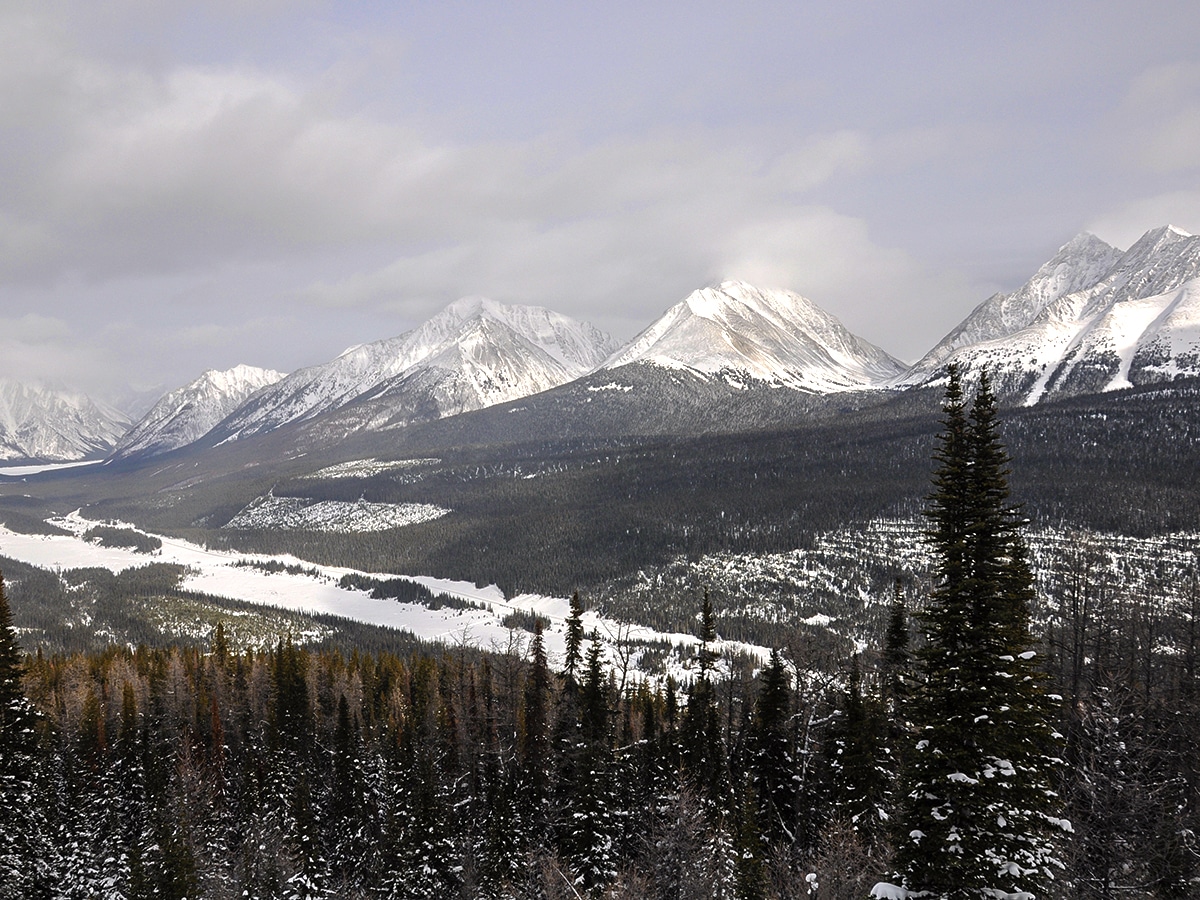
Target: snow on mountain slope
473, 354
188, 413
1138, 323
45, 424
1079, 264
774, 336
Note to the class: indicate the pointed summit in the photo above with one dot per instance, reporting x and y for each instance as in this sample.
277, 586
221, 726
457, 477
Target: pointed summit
774, 336
1079, 264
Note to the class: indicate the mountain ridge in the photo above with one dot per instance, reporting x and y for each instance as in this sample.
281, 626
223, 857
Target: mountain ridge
474, 353
1138, 322
188, 413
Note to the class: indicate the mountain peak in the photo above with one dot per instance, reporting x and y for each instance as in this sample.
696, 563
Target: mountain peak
1091, 319
1079, 264
771, 335
188, 413
473, 353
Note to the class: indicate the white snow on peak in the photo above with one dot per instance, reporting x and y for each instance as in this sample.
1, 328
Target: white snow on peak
188, 413
474, 353
1079, 264
772, 335
1135, 322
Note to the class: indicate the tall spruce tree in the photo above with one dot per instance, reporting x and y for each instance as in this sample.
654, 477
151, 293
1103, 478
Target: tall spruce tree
979, 817
574, 655
772, 764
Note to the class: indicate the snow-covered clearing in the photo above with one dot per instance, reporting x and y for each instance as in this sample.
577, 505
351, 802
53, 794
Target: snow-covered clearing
367, 468
299, 513
217, 572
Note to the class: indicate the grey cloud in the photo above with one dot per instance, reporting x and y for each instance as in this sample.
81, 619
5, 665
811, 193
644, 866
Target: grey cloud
1158, 120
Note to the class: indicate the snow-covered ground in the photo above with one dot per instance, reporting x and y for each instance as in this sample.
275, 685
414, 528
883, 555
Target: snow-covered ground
22, 471
218, 572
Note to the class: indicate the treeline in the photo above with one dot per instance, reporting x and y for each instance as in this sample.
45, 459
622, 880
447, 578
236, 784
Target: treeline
292, 773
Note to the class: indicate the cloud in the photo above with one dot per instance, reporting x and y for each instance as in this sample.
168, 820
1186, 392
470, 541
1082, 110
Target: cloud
32, 328
132, 171
44, 349
1160, 118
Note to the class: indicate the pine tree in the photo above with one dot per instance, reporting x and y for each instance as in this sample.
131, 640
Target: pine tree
980, 815
593, 701
857, 745
535, 741
896, 658
708, 633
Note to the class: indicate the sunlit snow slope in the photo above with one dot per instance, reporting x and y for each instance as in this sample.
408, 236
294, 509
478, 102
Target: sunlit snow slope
189, 413
1093, 329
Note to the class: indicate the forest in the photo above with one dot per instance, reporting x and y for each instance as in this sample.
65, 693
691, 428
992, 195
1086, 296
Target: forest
950, 755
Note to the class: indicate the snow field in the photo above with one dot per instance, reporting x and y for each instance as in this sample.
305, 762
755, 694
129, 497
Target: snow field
225, 574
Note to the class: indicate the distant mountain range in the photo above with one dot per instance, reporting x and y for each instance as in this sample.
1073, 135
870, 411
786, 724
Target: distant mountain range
473, 354
48, 424
1091, 319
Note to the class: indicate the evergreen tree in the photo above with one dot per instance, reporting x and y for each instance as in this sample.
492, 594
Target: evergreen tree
980, 815
24, 854
535, 738
859, 760
708, 633
896, 658
772, 763
574, 655
593, 712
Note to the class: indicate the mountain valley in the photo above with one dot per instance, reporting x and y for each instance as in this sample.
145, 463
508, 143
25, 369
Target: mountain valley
512, 446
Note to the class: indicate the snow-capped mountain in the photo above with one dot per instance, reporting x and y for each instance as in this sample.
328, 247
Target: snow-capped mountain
188, 413
775, 336
1136, 322
48, 425
475, 353
1079, 264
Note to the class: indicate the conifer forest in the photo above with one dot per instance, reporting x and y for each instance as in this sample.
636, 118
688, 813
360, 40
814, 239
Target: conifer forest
989, 744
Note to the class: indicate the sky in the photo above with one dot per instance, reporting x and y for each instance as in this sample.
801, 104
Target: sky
193, 185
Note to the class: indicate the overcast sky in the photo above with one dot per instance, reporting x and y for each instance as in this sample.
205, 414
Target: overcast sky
194, 185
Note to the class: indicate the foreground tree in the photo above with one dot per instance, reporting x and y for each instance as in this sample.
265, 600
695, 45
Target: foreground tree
24, 858
979, 818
